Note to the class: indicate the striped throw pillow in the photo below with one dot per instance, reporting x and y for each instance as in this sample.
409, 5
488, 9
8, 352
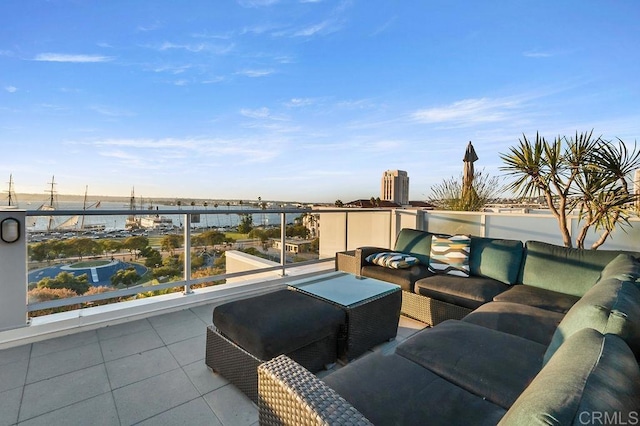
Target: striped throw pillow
450, 255
392, 260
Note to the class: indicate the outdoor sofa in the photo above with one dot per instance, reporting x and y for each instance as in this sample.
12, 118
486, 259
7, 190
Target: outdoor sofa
559, 343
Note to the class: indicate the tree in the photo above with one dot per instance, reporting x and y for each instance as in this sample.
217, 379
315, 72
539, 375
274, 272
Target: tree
339, 203
171, 242
153, 258
125, 277
82, 246
137, 243
246, 224
589, 176
110, 246
79, 284
448, 195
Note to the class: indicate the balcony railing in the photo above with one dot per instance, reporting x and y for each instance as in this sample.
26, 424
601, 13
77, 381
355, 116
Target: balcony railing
187, 231
339, 229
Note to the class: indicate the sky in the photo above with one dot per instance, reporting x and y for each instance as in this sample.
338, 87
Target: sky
300, 100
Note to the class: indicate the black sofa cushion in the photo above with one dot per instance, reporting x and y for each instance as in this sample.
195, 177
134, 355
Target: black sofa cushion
391, 390
538, 297
470, 292
494, 365
522, 320
276, 323
592, 377
405, 278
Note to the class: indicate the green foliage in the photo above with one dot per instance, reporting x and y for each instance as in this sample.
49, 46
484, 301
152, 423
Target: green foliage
66, 280
208, 238
136, 243
153, 258
246, 223
450, 194
297, 231
125, 277
166, 272
171, 242
581, 173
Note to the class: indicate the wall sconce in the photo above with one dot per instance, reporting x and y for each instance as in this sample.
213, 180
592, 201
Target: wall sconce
10, 230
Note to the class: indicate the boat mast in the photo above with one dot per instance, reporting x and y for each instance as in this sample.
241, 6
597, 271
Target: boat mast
51, 201
84, 206
13, 200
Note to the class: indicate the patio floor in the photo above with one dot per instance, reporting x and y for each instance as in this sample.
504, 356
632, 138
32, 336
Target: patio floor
147, 372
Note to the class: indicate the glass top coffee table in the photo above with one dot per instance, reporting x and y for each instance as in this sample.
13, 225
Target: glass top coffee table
372, 307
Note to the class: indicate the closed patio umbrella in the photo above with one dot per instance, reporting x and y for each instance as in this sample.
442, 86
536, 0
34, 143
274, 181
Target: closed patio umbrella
470, 157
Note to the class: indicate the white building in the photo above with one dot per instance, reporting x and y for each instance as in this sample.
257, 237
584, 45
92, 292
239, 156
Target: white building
395, 187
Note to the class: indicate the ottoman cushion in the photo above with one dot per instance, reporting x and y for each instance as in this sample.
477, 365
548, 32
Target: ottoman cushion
277, 323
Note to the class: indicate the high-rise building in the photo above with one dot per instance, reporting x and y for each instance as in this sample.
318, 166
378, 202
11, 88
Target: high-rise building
395, 187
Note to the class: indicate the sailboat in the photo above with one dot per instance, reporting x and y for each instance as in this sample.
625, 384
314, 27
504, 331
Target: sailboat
33, 223
12, 200
77, 222
149, 221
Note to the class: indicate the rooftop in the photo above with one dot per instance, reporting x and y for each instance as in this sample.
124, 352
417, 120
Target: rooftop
147, 371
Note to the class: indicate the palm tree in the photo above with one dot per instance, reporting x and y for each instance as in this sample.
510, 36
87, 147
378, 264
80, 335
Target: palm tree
589, 176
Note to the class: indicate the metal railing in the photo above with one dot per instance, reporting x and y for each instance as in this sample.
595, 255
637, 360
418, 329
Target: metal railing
187, 281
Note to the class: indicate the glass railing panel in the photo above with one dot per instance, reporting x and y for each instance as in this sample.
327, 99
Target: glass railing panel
454, 223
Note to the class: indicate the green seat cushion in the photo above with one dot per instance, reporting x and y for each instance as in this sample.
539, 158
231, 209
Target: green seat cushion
496, 258
611, 306
567, 270
405, 278
539, 297
526, 321
470, 292
590, 375
391, 390
493, 365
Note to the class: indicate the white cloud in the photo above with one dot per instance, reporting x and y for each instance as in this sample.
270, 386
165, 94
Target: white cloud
11, 89
312, 30
198, 47
300, 102
110, 112
537, 54
261, 113
256, 73
481, 110
62, 57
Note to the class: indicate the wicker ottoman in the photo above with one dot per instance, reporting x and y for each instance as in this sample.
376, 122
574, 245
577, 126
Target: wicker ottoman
247, 332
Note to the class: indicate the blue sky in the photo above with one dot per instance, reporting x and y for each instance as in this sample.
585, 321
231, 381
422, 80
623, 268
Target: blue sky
307, 100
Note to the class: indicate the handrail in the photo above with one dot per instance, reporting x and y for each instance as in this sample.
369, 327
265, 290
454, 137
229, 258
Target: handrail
187, 281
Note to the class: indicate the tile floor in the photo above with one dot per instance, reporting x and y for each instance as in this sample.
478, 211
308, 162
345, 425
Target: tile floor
147, 372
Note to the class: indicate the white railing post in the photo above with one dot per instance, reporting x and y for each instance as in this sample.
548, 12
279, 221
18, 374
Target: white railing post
187, 254
13, 269
283, 242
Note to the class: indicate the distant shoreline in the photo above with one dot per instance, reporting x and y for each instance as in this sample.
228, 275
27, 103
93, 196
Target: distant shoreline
44, 197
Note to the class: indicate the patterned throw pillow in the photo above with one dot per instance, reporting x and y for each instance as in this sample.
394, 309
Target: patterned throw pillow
392, 260
450, 255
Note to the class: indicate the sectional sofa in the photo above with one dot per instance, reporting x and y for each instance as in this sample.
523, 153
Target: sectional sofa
537, 334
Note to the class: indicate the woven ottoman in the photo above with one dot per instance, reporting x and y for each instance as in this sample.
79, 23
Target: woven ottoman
245, 333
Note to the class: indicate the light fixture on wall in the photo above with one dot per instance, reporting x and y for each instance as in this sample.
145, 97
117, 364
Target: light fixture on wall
10, 230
